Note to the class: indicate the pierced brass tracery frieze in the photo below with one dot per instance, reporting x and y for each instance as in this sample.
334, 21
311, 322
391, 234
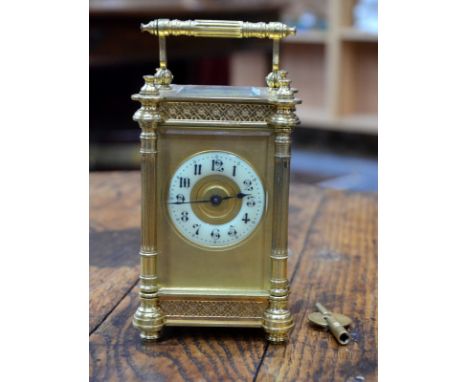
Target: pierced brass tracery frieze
216, 111
213, 309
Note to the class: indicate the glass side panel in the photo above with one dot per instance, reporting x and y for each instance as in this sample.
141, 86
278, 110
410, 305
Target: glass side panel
222, 91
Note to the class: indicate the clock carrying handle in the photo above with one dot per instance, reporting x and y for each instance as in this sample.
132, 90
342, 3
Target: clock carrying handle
218, 29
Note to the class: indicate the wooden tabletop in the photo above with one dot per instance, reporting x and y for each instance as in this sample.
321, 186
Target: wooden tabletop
333, 238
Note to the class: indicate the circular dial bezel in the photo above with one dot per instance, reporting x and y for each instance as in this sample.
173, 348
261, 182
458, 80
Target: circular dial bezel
239, 177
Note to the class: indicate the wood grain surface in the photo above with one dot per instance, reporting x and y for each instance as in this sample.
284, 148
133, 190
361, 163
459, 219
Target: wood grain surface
332, 237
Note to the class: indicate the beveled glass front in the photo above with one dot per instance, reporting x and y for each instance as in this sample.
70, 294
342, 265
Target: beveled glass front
186, 267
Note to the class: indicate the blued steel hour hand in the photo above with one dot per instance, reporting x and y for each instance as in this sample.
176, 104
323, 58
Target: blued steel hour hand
216, 200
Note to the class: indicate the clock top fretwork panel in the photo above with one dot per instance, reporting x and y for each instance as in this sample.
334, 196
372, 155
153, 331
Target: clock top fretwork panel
227, 106
224, 104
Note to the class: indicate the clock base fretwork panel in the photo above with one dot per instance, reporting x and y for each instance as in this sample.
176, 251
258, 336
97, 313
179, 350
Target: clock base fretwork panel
213, 311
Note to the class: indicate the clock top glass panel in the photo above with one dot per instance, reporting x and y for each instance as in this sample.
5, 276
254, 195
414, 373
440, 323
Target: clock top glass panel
228, 93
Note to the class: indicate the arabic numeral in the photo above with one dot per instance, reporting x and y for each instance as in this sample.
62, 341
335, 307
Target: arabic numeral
180, 198
251, 201
184, 216
217, 165
248, 185
184, 182
215, 234
234, 170
232, 231
196, 227
197, 169
246, 219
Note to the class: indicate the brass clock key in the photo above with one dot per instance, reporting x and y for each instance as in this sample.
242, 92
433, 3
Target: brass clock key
215, 188
334, 322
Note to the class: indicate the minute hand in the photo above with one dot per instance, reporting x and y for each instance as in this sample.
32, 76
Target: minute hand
240, 195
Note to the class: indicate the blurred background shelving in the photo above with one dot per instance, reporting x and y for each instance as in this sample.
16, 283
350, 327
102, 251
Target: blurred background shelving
332, 61
335, 67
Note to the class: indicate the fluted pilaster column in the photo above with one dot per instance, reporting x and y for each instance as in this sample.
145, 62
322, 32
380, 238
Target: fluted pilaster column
277, 318
149, 318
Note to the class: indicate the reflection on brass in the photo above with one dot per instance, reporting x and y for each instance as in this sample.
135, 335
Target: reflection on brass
217, 28
182, 283
334, 322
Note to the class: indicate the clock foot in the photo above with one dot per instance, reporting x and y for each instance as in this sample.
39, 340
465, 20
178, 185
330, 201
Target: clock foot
149, 320
277, 324
150, 335
277, 338
280, 334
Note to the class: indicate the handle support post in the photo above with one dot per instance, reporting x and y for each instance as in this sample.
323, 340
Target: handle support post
163, 77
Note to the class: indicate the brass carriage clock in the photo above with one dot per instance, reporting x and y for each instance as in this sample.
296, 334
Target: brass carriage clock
215, 188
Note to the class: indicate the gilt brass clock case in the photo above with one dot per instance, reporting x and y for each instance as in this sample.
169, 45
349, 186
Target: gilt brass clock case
211, 156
